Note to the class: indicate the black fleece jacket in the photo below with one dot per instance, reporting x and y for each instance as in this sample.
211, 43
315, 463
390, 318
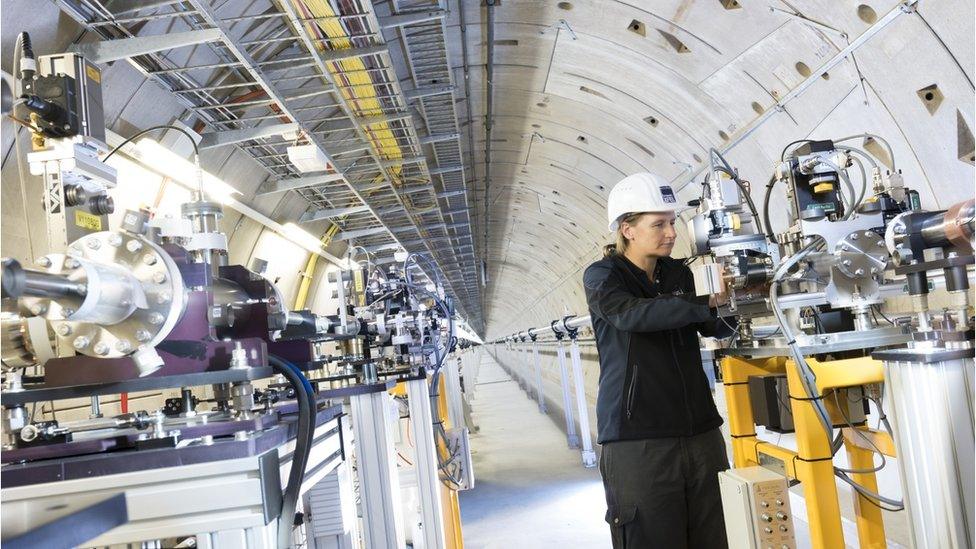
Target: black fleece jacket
651, 380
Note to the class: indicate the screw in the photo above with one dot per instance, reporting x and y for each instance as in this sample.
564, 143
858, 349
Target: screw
149, 259
859, 272
101, 348
163, 297
155, 318
44, 261
854, 236
123, 346
846, 262
133, 246
881, 243
64, 330
71, 263
159, 277
81, 342
142, 335
38, 309
846, 248
115, 240
93, 243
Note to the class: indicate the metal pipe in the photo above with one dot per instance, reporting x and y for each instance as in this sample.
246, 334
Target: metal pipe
18, 281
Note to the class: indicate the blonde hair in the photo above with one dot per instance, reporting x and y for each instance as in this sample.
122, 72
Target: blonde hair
620, 246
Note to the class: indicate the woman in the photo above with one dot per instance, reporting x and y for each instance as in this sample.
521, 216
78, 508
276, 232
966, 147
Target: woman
657, 422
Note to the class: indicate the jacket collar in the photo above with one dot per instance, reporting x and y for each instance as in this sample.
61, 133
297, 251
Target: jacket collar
640, 275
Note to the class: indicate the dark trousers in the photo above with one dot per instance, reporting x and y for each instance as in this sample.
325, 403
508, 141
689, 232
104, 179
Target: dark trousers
663, 492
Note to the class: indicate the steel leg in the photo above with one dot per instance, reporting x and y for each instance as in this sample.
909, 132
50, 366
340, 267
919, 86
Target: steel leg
379, 483
589, 456
571, 437
540, 397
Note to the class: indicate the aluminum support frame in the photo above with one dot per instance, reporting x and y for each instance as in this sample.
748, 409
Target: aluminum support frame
539, 394
572, 439
379, 483
428, 479
587, 453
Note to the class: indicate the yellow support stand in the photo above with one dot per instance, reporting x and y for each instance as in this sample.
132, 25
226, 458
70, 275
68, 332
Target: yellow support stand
812, 463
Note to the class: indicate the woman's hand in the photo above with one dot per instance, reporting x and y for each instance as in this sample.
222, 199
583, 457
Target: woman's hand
717, 300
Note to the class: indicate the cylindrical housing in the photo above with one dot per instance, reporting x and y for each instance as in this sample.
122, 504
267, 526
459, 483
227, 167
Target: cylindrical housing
930, 402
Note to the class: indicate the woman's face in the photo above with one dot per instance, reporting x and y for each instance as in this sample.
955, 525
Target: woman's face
652, 234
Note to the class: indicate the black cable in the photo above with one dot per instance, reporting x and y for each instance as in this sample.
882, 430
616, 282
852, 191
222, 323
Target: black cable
769, 193
138, 134
303, 446
727, 169
782, 155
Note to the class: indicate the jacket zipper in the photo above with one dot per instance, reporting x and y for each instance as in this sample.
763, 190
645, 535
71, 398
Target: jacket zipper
632, 392
684, 386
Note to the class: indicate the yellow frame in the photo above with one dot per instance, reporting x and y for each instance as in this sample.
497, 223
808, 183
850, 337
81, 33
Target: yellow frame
811, 463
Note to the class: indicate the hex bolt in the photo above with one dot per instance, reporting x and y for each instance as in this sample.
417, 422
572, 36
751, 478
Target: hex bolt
155, 318
846, 262
71, 263
123, 346
854, 236
159, 277
846, 248
81, 342
881, 243
101, 348
44, 261
115, 240
64, 329
142, 335
133, 246
38, 309
859, 272
163, 297
67, 311
149, 259
93, 243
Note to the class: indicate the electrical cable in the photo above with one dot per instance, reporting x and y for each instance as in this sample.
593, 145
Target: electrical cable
196, 149
891, 154
713, 153
305, 396
769, 192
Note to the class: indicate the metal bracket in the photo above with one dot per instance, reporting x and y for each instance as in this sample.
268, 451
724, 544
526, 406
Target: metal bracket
123, 48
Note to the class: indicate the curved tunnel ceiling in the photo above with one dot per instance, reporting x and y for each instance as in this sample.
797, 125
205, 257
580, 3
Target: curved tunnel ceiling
586, 92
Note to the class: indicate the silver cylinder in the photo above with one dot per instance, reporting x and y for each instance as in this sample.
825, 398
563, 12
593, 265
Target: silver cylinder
929, 396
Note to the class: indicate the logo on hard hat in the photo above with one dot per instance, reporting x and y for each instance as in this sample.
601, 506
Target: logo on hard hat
667, 195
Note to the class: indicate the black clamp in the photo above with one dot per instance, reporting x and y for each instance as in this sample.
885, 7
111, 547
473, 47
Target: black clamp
559, 335
532, 336
571, 332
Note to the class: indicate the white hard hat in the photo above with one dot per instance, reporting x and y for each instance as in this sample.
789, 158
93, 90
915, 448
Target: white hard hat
640, 193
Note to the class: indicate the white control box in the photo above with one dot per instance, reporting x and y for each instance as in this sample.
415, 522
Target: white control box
756, 505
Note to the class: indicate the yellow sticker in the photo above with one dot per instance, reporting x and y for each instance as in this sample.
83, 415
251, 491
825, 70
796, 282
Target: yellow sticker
88, 221
93, 73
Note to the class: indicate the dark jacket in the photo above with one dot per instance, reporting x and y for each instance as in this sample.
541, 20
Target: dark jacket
652, 384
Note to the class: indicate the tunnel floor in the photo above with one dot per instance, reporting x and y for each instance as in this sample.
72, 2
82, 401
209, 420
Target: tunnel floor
531, 489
